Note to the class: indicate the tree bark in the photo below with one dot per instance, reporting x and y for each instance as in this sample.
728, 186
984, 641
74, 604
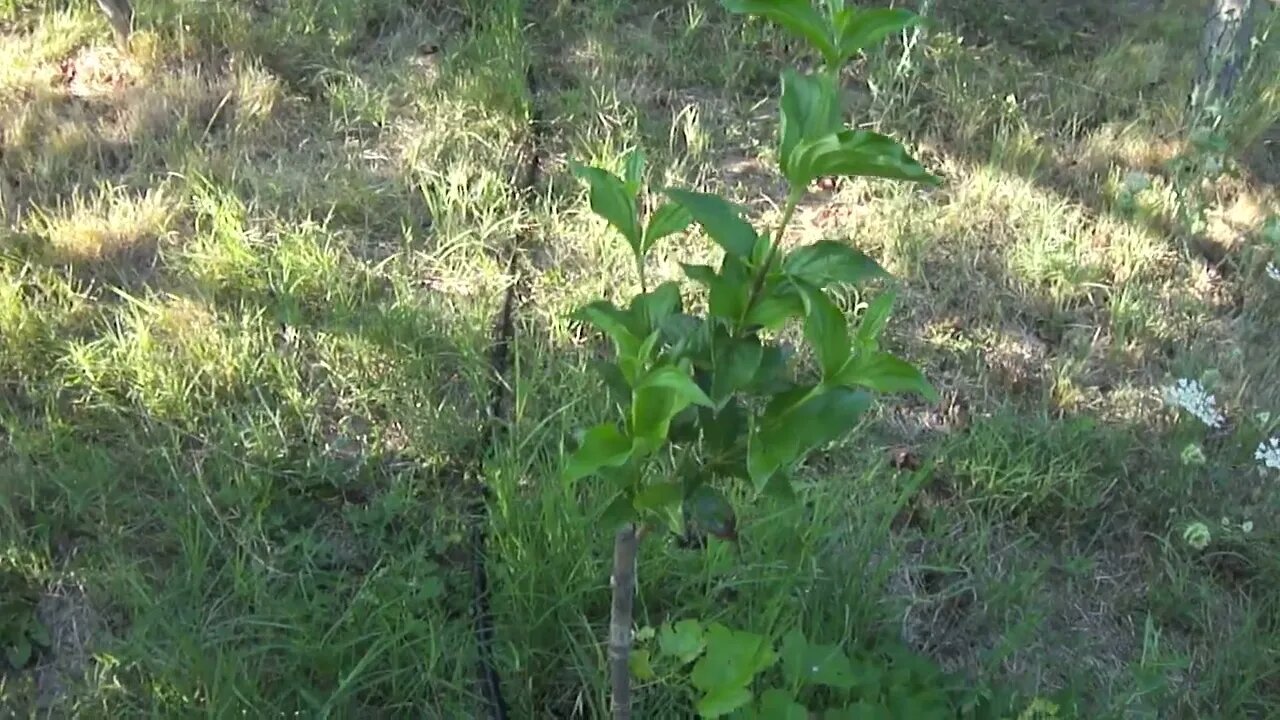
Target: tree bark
120, 14
624, 587
1224, 49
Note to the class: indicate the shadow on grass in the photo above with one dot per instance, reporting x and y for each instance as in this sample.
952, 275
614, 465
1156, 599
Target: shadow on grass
236, 436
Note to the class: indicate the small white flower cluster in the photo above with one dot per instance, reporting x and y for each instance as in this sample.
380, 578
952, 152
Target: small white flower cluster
1191, 396
1273, 272
1269, 453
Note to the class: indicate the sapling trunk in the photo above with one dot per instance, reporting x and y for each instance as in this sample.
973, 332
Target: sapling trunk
624, 587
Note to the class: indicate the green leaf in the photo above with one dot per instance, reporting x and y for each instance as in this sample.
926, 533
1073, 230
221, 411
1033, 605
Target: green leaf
614, 322
702, 274
721, 429
809, 664
861, 710
728, 297
612, 200
38, 633
736, 361
633, 171
772, 377
779, 488
810, 109
656, 496
602, 446
797, 421
677, 380
826, 331
719, 219
684, 640
641, 667
652, 409
780, 705
666, 220
619, 390
721, 701
797, 16
655, 306
885, 373
620, 510
708, 510
18, 652
862, 29
854, 153
873, 321
778, 304
827, 263
732, 659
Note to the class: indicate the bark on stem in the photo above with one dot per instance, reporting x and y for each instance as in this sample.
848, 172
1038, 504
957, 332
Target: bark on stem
624, 587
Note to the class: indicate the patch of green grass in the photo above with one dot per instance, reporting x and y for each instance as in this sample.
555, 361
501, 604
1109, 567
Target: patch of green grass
247, 279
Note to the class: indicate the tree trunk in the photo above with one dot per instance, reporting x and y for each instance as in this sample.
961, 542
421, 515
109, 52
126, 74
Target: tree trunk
120, 14
1224, 50
624, 587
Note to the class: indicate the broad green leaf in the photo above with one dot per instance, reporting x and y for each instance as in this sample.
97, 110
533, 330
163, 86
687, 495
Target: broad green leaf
611, 200
720, 219
708, 510
619, 510
728, 297
804, 663
797, 421
854, 153
873, 321
684, 640
772, 377
641, 667
828, 262
779, 303
732, 659
885, 373
780, 705
669, 219
779, 488
861, 710
38, 633
728, 289
602, 446
633, 171
678, 381
657, 305
826, 330
810, 109
652, 409
702, 274
659, 495
721, 701
614, 322
19, 651
619, 390
721, 429
861, 29
797, 16
736, 362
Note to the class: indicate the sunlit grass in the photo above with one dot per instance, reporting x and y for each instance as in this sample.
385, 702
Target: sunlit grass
248, 273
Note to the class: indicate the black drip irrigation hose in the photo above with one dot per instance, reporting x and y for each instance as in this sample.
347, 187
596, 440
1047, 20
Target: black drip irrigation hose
496, 423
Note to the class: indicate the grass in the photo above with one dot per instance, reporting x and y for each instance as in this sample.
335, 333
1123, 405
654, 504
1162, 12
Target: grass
248, 276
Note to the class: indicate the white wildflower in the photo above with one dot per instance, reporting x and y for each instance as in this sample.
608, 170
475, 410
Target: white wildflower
1191, 396
1269, 453
1246, 526
1273, 272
